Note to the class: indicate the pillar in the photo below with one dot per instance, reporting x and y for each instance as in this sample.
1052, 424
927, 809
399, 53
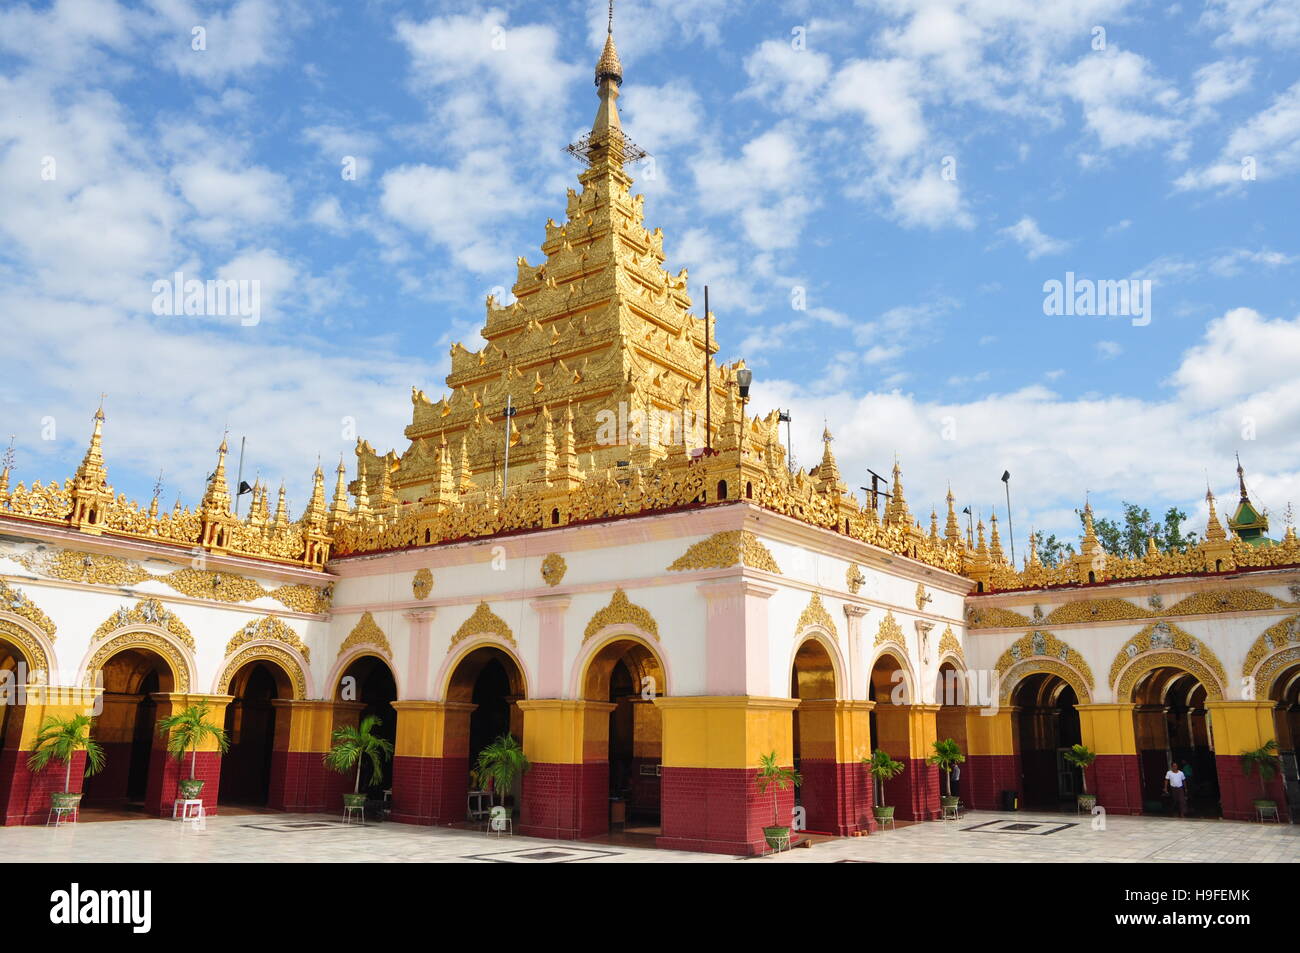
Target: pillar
834, 737
1239, 726
711, 750
550, 643
566, 789
166, 772
908, 733
1116, 776
24, 795
992, 759
300, 782
431, 762
736, 658
114, 731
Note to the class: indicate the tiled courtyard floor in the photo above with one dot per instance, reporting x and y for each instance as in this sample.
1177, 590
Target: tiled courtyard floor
978, 837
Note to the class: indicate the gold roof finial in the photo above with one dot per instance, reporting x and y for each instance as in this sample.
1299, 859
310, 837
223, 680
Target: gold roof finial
608, 66
1241, 480
92, 471
952, 529
216, 499
1213, 528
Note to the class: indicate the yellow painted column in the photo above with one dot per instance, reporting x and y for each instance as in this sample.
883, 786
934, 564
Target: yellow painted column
992, 758
204, 764
566, 789
431, 762
300, 782
1237, 727
25, 796
1109, 731
834, 736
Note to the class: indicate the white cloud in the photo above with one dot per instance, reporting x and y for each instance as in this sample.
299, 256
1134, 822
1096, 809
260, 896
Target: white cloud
1253, 22
660, 117
1222, 80
1267, 144
1030, 237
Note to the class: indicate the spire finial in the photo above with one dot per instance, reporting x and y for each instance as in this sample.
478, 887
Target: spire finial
1241, 480
610, 31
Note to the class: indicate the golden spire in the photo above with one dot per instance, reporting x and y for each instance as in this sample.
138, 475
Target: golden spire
315, 512
952, 529
464, 474
1213, 528
216, 499
980, 547
1090, 543
363, 496
828, 472
1032, 561
896, 510
339, 510
608, 66
995, 543
281, 510
92, 474
934, 528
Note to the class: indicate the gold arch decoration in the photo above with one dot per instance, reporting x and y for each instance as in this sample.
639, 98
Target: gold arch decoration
733, 547
482, 620
13, 599
553, 569
137, 639
1034, 666
93, 568
1040, 645
145, 612
1276, 636
268, 629
622, 611
948, 645
1168, 638
815, 614
366, 632
271, 653
890, 631
995, 618
1179, 660
1096, 610
27, 644
1213, 601
1273, 666
422, 584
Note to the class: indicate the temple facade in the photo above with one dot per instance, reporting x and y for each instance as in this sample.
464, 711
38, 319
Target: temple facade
644, 594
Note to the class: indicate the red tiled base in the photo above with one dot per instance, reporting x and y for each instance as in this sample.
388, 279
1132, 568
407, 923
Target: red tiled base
1116, 779
985, 776
567, 801
24, 796
1237, 792
301, 784
165, 774
836, 797
915, 792
718, 810
429, 790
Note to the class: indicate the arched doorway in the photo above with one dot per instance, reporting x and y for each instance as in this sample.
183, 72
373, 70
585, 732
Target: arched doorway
127, 727
1047, 725
812, 680
1286, 720
491, 680
250, 727
13, 679
914, 794
370, 681
627, 674
1171, 724
950, 722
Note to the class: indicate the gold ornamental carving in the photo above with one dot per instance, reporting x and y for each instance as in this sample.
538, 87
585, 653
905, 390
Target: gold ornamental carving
1040, 645
725, 549
1175, 643
13, 599
890, 631
268, 629
1096, 610
815, 614
254, 653
996, 618
1033, 666
1276, 636
93, 568
1274, 666
482, 621
948, 645
145, 612
141, 640
1212, 601
553, 569
1179, 660
422, 584
366, 632
854, 579
923, 598
36, 659
621, 611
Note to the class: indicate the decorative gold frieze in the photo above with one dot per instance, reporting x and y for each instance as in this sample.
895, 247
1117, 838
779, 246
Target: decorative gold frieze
1272, 668
1179, 660
254, 653
422, 584
1096, 610
145, 612
268, 629
218, 586
996, 618
1044, 645
94, 568
366, 632
725, 549
482, 621
948, 644
553, 569
13, 599
36, 659
815, 614
1175, 643
314, 600
621, 611
1212, 601
1032, 666
1276, 636
890, 631
141, 640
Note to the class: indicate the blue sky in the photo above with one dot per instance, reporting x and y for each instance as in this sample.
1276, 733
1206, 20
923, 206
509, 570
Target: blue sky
795, 146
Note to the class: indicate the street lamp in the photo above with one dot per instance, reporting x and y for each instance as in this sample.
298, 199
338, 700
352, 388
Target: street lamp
1006, 481
509, 414
783, 416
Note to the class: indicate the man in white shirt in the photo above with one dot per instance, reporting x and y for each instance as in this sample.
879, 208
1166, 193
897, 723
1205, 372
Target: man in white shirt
1176, 783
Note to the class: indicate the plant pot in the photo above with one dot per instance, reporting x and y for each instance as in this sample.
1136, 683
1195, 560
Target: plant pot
951, 801
65, 800
776, 836
1087, 802
191, 788
354, 800
1265, 804
883, 812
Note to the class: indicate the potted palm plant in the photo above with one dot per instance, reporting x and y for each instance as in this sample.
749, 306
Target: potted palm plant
883, 768
1082, 758
59, 740
186, 730
354, 745
1266, 762
774, 777
947, 753
499, 766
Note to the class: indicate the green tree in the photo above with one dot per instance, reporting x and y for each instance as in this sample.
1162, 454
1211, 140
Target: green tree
501, 763
355, 745
189, 728
947, 753
1052, 551
1265, 761
59, 740
1080, 756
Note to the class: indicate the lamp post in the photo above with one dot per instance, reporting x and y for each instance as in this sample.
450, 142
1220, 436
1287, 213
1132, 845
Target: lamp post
509, 413
783, 416
1006, 481
970, 526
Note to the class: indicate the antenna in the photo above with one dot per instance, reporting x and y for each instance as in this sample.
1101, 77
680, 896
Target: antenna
611, 18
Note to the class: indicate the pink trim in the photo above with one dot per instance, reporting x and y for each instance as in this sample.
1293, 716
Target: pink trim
737, 641
551, 612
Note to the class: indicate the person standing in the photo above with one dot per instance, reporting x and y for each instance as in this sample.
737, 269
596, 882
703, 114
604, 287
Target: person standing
1176, 784
955, 780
